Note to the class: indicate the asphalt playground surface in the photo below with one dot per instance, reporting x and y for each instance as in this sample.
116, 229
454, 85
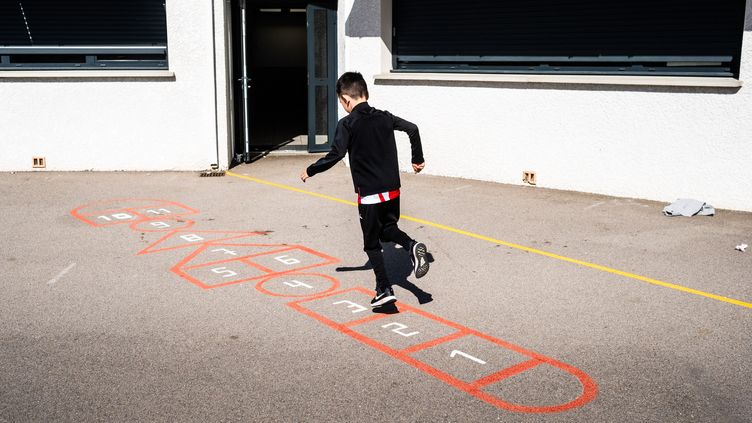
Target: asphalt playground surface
170, 297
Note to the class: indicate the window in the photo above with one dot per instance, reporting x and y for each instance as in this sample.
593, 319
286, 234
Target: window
82, 34
632, 37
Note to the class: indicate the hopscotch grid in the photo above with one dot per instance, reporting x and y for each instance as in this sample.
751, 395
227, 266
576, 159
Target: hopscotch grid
235, 258
589, 388
148, 249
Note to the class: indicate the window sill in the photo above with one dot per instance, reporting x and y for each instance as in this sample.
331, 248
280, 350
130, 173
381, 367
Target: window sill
661, 81
88, 74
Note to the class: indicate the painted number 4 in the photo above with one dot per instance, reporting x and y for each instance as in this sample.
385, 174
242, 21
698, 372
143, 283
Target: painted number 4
297, 284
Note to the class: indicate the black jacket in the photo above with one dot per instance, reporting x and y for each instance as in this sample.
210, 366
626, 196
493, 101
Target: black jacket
367, 135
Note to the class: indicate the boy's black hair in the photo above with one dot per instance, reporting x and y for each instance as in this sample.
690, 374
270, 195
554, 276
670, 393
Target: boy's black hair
352, 84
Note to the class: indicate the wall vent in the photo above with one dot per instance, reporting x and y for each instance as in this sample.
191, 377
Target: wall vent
38, 162
529, 177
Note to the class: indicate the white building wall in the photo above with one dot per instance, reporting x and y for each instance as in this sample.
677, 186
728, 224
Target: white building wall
658, 143
124, 123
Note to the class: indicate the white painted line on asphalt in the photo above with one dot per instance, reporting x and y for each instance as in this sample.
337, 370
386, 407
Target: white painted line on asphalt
466, 355
61, 274
592, 206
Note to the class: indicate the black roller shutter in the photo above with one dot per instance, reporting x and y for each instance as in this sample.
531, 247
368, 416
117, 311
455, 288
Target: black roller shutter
678, 37
53, 33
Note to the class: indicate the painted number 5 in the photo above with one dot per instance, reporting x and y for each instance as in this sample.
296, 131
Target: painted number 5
225, 272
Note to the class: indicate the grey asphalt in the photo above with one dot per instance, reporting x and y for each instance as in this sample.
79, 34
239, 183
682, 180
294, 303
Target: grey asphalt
93, 331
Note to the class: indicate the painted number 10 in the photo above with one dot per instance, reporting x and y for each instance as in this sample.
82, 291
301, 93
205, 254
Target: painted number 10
116, 216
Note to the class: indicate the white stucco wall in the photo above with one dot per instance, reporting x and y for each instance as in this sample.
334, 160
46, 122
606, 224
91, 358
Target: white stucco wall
124, 124
658, 143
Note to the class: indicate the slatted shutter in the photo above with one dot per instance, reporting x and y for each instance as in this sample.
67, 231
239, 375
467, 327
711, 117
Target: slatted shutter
675, 37
83, 33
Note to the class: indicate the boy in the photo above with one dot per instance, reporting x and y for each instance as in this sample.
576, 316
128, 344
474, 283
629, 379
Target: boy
367, 134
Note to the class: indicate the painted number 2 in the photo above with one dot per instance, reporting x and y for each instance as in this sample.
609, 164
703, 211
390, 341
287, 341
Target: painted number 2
399, 329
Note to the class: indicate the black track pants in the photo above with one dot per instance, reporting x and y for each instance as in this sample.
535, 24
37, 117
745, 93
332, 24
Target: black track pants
379, 223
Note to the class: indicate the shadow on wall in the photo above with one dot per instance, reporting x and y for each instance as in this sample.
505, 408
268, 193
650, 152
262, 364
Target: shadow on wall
748, 17
364, 19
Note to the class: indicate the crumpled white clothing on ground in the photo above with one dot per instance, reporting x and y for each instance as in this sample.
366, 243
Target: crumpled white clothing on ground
688, 207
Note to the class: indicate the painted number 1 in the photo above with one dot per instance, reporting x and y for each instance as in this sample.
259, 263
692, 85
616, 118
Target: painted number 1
466, 355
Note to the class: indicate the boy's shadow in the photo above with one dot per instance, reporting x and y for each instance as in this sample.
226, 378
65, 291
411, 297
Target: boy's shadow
398, 268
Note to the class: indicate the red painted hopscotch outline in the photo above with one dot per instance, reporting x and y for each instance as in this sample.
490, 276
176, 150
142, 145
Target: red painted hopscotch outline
589, 387
178, 219
239, 234
260, 286
79, 212
270, 274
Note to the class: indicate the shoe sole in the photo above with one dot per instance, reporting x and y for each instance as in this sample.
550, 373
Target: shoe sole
386, 300
420, 265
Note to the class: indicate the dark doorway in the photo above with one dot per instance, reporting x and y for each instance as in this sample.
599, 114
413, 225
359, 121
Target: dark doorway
277, 57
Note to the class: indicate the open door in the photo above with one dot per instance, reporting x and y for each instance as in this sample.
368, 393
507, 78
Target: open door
322, 77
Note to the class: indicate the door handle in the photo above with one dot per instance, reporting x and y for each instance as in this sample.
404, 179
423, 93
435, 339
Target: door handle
246, 81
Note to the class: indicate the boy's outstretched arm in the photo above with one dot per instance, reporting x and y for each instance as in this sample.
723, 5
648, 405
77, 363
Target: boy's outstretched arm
417, 148
339, 148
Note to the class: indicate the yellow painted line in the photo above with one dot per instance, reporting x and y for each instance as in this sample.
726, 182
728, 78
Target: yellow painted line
516, 246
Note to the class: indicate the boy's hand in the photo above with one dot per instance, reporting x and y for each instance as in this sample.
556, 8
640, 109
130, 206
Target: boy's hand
304, 175
418, 167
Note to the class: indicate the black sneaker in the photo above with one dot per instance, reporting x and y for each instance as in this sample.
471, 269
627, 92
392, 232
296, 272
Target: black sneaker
418, 257
383, 297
